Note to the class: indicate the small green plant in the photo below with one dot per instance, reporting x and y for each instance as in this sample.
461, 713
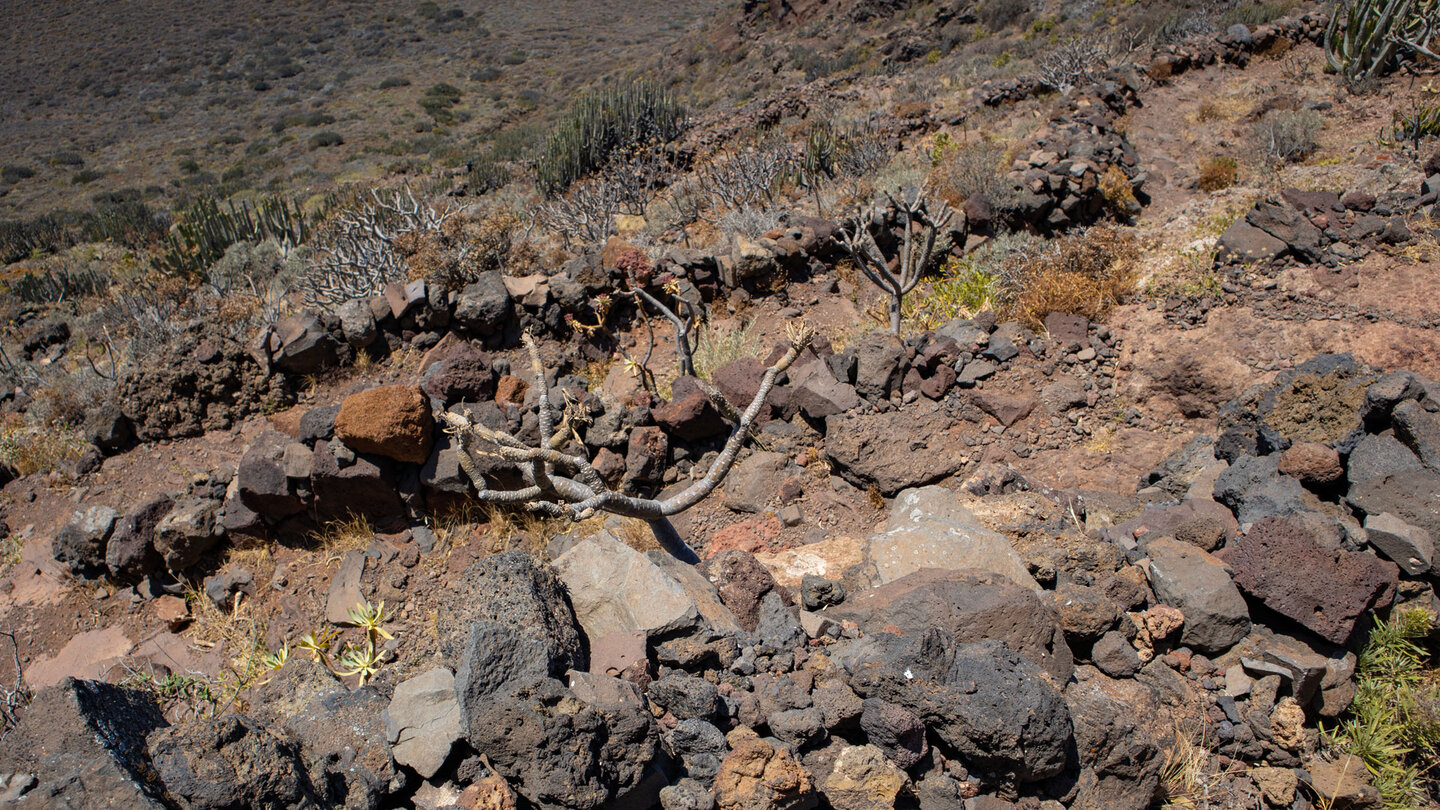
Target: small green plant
318, 644
363, 661
1393, 726
716, 347
962, 289
196, 692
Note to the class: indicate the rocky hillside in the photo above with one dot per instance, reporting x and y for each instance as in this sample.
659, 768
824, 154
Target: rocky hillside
637, 488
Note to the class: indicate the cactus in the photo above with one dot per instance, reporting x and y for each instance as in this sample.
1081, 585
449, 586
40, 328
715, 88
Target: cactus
206, 231
601, 123
1365, 38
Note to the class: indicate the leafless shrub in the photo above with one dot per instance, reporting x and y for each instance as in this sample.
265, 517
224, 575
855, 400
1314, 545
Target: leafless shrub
637, 175
1287, 136
357, 258
587, 212
13, 698
1073, 64
747, 177
919, 229
566, 485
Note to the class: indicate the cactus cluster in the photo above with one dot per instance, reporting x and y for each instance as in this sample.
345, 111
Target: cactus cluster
205, 231
601, 123
1367, 38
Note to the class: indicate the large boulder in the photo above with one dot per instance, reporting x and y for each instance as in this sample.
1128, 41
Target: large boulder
1199, 584
130, 554
84, 744
393, 421
465, 373
758, 775
754, 482
616, 589
81, 543
1120, 756
1329, 591
984, 701
863, 779
969, 605
264, 486
190, 530
485, 307
342, 741
1412, 496
306, 346
230, 762
929, 528
892, 451
347, 484
422, 722
879, 365
512, 588
556, 748
815, 392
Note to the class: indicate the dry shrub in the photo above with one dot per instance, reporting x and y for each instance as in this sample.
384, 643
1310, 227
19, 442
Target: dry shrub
963, 170
1085, 275
1118, 193
1218, 173
28, 450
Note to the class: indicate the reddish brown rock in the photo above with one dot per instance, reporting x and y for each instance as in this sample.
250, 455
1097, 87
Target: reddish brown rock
392, 421
510, 390
690, 417
1326, 590
742, 581
1312, 463
1006, 409
645, 456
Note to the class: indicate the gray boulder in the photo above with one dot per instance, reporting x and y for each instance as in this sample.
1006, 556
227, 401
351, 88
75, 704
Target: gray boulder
986, 702
615, 589
485, 306
516, 591
1199, 584
130, 553
422, 722
306, 346
232, 762
188, 532
970, 606
342, 741
1379, 455
928, 528
81, 543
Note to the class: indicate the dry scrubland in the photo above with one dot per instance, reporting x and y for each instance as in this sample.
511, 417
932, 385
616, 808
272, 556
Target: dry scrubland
846, 405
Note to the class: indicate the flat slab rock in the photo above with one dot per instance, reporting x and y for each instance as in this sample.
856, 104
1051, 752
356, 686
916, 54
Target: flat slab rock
929, 528
1326, 590
892, 451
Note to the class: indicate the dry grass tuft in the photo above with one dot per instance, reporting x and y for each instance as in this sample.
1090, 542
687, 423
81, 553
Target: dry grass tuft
339, 536
29, 450
1218, 173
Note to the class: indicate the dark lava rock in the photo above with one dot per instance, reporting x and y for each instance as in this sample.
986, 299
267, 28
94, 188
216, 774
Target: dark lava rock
1328, 591
984, 701
516, 591
230, 763
84, 742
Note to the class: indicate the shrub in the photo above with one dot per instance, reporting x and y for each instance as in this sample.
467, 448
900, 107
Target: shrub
962, 171
1086, 274
439, 102
22, 238
326, 138
66, 158
515, 57
14, 174
393, 81
29, 450
963, 288
1218, 173
1287, 136
1118, 192
601, 123
486, 74
53, 284
1253, 14
997, 15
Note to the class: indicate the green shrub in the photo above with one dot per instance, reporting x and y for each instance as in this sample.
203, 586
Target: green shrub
486, 74
439, 101
22, 238
326, 138
14, 174
1253, 14
66, 158
394, 81
1367, 38
601, 123
515, 57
